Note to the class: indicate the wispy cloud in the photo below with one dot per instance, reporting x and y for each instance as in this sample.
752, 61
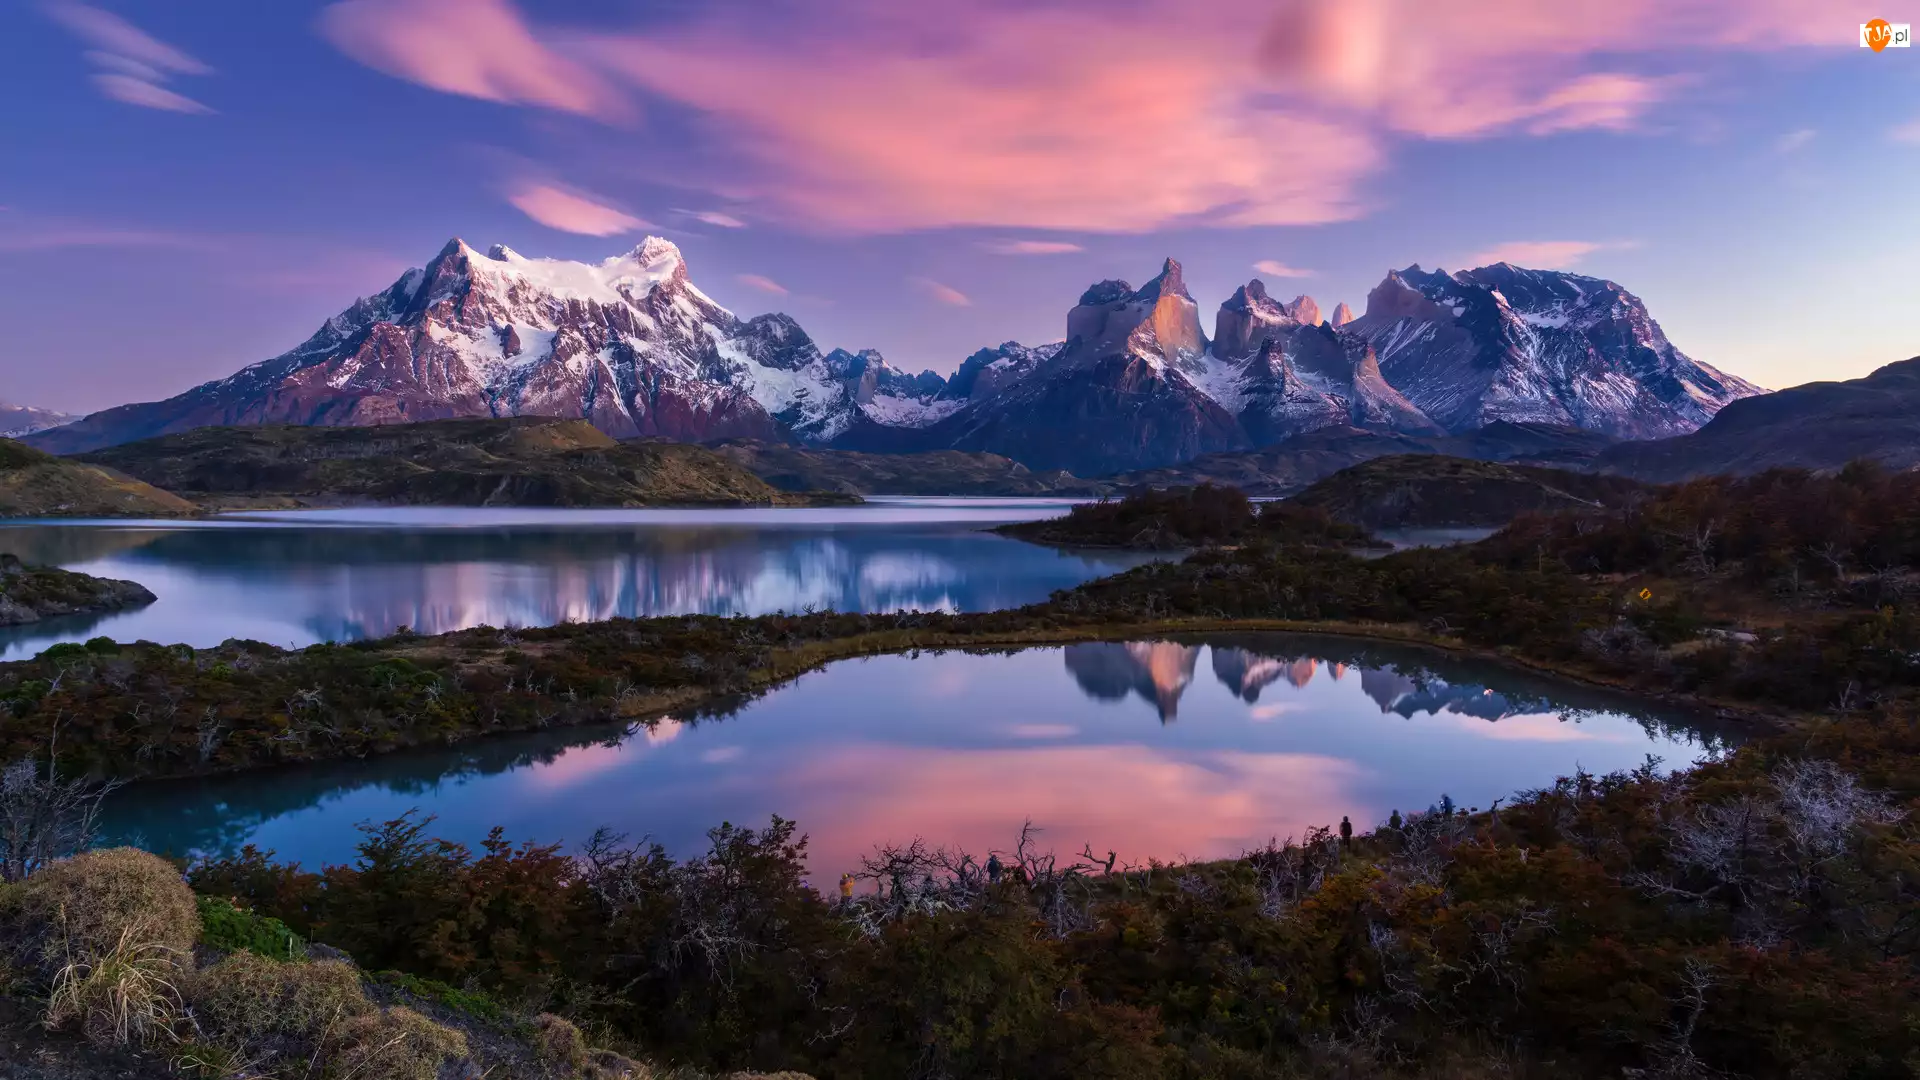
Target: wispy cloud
1793, 141
1545, 254
574, 212
1058, 116
945, 294
1908, 132
1030, 247
57, 236
1276, 268
475, 48
764, 284
715, 218
131, 65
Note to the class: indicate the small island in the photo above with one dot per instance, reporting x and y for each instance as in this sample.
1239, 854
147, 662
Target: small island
31, 593
1202, 516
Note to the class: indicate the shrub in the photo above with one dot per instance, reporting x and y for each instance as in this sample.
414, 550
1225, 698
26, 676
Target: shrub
398, 1044
230, 929
116, 902
263, 1007
559, 1042
102, 644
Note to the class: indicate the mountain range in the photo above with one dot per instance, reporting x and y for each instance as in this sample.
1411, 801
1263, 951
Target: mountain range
18, 420
633, 346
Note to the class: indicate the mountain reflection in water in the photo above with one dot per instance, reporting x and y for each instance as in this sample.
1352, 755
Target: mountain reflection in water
295, 580
960, 748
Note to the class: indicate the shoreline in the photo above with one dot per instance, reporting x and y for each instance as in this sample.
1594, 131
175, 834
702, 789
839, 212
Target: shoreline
793, 663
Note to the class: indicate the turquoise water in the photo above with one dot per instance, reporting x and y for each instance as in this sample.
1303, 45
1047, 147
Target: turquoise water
1152, 749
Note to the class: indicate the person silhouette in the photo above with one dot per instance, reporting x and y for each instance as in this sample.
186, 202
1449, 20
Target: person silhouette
1346, 831
846, 887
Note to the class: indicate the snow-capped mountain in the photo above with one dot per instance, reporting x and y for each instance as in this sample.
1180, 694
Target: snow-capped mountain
1506, 343
633, 346
18, 420
629, 344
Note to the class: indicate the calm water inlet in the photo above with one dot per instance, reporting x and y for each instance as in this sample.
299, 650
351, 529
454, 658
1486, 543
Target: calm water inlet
296, 578
1154, 749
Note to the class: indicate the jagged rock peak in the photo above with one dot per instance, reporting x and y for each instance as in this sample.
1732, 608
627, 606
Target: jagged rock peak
1109, 291
1253, 297
1170, 282
1342, 315
1304, 310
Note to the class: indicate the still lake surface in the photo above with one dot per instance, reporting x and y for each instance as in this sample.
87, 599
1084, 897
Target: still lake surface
296, 578
1154, 749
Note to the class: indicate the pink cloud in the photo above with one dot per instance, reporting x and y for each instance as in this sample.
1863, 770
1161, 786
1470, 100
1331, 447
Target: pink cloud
475, 48
764, 284
132, 63
1539, 254
115, 36
1276, 268
57, 236
1908, 132
1030, 247
572, 212
714, 217
874, 116
135, 91
945, 294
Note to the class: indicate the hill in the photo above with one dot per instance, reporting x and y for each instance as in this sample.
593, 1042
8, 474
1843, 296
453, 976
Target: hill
1432, 491
1822, 425
522, 461
938, 472
1190, 517
1293, 464
37, 484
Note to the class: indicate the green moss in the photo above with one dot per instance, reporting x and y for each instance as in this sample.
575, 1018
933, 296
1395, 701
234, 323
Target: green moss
227, 927
464, 1001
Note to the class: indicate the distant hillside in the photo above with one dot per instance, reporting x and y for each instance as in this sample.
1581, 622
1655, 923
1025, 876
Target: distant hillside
939, 472
523, 461
1431, 491
1820, 425
1190, 517
36, 484
1293, 464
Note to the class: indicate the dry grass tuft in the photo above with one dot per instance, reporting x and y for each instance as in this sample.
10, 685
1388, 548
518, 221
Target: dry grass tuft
128, 997
248, 1000
398, 1044
121, 903
560, 1043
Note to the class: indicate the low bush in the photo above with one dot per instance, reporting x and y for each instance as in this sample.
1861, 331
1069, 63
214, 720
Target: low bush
395, 1044
117, 902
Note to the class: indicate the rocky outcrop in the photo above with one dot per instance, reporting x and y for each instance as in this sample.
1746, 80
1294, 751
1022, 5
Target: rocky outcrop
1342, 315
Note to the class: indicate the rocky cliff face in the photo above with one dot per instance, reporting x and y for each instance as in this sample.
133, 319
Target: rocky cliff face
1538, 346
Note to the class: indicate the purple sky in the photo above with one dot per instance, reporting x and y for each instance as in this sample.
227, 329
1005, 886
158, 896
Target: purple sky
186, 188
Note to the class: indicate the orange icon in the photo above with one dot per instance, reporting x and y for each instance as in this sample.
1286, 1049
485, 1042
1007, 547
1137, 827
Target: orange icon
1879, 33
1646, 594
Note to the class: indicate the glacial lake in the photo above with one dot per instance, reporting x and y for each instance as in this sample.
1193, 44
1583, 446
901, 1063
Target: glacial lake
1193, 748
292, 579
